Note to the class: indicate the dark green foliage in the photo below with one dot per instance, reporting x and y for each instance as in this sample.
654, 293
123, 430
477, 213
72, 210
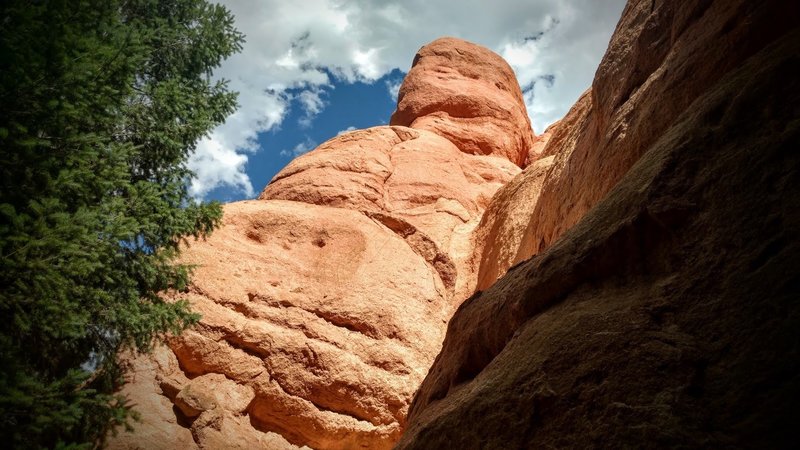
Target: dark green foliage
101, 103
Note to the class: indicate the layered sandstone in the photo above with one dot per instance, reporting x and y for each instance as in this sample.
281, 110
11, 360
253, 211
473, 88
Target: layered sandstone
325, 301
502, 228
660, 309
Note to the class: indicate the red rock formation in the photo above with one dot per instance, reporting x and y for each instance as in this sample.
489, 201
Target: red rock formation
504, 231
469, 95
178, 413
325, 301
402, 174
661, 308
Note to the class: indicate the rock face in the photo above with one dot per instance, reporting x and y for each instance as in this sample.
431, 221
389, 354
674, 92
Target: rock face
325, 301
415, 182
469, 95
500, 233
662, 56
296, 307
660, 309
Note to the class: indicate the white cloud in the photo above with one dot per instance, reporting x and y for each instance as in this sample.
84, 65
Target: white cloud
555, 67
312, 102
294, 45
214, 165
303, 147
346, 130
394, 89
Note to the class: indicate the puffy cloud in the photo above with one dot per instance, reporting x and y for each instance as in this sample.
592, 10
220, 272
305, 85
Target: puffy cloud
303, 147
553, 45
554, 66
214, 165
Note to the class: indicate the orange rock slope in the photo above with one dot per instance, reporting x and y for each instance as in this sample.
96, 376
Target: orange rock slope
325, 301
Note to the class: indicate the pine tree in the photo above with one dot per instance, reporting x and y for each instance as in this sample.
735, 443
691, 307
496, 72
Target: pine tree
101, 104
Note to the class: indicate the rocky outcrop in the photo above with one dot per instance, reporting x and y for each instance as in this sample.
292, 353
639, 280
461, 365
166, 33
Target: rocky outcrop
296, 307
325, 301
206, 412
660, 309
469, 95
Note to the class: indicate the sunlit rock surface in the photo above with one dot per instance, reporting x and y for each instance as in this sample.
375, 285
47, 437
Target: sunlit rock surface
325, 300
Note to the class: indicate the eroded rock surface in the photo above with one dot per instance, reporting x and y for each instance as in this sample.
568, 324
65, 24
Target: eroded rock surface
502, 228
206, 412
396, 173
325, 301
663, 55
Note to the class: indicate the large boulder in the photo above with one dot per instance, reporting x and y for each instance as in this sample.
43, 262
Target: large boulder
302, 333
296, 307
469, 95
413, 181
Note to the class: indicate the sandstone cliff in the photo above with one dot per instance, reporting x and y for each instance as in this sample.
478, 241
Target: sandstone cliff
635, 263
660, 309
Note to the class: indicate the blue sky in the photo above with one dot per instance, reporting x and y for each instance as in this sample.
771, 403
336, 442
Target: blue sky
354, 105
312, 68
